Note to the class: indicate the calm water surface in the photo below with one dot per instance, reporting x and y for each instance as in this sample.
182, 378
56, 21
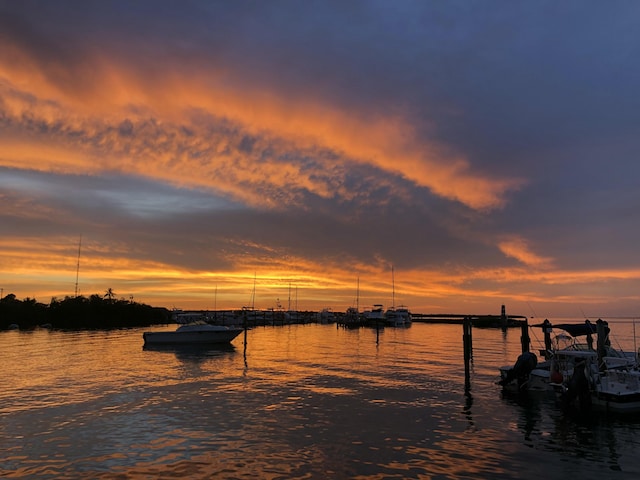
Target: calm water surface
300, 401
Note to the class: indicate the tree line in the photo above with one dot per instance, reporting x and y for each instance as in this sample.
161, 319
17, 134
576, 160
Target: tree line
93, 312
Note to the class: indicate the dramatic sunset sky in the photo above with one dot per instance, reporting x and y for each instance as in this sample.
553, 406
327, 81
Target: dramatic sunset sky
487, 150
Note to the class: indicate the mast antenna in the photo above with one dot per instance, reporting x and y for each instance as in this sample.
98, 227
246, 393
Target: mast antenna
393, 289
78, 265
253, 293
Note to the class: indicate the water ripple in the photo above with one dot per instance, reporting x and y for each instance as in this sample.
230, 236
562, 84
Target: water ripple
300, 402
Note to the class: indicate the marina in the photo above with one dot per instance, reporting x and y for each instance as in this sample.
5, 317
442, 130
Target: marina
351, 317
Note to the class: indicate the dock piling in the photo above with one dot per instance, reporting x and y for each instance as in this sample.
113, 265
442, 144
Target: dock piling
467, 341
524, 339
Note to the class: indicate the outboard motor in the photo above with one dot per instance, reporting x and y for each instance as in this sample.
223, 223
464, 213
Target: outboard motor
578, 388
521, 370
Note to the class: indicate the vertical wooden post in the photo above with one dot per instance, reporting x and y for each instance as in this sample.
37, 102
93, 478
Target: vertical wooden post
602, 342
546, 327
468, 348
524, 339
244, 325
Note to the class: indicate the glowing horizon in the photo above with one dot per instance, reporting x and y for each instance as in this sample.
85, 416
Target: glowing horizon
196, 159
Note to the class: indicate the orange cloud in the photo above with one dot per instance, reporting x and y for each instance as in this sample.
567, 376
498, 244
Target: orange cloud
42, 268
107, 91
518, 248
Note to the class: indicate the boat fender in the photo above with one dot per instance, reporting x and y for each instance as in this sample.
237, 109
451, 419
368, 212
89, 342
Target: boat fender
556, 377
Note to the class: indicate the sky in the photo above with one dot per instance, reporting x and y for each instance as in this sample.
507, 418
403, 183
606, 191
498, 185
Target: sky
451, 156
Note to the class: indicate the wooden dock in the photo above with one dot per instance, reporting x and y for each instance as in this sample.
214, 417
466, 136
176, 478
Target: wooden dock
253, 318
487, 321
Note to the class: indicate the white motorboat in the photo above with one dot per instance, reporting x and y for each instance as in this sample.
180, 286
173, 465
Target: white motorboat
375, 315
200, 333
326, 316
581, 383
581, 375
398, 317
618, 389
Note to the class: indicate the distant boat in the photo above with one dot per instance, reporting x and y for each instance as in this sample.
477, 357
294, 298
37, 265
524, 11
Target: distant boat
376, 314
396, 317
326, 316
352, 318
199, 333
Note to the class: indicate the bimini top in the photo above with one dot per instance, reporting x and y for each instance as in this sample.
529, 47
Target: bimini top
573, 329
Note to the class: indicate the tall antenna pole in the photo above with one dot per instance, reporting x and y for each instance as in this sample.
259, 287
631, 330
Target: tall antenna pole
253, 294
393, 289
78, 265
215, 304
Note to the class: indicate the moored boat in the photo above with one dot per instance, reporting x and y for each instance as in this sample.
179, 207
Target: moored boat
326, 316
375, 313
398, 317
352, 318
374, 316
193, 333
582, 376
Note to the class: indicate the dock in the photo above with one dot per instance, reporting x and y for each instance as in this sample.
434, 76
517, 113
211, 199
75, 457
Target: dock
252, 318
487, 321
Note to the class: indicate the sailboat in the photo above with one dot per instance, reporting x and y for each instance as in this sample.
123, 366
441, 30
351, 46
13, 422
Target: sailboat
400, 316
352, 317
78, 266
249, 315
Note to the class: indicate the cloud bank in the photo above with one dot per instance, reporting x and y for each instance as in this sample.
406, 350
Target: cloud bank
487, 152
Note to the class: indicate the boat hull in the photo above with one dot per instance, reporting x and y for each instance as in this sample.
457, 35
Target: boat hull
193, 337
618, 390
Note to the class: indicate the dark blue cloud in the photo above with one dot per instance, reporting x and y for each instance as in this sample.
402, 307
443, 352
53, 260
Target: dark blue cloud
545, 91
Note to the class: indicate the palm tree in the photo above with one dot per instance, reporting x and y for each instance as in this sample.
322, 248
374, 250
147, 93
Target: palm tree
109, 295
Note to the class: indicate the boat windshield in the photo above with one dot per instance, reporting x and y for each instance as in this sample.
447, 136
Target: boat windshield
563, 341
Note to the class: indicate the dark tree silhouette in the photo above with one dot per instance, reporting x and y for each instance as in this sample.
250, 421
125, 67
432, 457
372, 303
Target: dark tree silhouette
109, 295
80, 312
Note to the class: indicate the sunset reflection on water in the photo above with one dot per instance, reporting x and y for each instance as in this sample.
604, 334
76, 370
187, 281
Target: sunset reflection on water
301, 401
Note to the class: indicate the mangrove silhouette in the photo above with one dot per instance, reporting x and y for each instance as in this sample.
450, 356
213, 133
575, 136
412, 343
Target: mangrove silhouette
94, 312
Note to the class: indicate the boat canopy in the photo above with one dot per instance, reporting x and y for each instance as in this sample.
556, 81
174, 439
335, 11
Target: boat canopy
573, 329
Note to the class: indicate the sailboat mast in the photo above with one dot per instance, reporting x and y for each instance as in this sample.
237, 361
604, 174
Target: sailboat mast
253, 294
393, 289
78, 265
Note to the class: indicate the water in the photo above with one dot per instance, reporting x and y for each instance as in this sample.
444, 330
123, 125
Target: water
302, 401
